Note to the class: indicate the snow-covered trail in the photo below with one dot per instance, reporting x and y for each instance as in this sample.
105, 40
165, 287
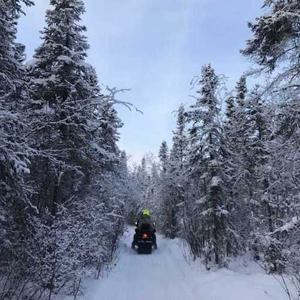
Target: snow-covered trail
166, 275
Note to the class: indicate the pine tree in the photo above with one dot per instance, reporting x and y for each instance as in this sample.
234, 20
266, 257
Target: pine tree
270, 47
208, 231
61, 106
241, 90
174, 181
237, 134
110, 189
76, 170
13, 95
230, 108
257, 159
109, 124
164, 156
143, 182
178, 151
166, 195
246, 134
14, 153
273, 35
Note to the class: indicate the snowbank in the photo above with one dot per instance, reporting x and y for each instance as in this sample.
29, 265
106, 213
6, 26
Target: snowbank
167, 275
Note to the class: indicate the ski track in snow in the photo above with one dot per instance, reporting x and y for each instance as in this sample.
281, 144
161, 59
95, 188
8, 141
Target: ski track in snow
166, 275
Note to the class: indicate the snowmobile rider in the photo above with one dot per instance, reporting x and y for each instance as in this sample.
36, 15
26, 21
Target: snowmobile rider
144, 221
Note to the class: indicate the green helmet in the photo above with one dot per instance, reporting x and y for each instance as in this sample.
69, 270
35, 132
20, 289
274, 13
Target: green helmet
146, 213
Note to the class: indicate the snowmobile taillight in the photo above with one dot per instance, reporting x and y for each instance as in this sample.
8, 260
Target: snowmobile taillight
145, 236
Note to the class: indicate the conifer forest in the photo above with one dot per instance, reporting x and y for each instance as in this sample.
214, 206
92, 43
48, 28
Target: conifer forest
226, 185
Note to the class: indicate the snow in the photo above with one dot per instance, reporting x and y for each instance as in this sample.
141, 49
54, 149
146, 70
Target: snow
44, 81
289, 226
65, 59
167, 275
47, 109
215, 181
201, 200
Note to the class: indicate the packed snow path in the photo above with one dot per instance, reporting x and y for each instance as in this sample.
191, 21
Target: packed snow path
166, 275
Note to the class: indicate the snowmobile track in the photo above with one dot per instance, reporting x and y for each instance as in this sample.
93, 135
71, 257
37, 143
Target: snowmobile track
166, 275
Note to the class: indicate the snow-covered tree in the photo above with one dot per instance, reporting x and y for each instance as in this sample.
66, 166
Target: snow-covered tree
76, 186
165, 196
275, 37
230, 108
180, 143
164, 156
275, 47
14, 151
172, 180
177, 165
241, 91
208, 228
61, 108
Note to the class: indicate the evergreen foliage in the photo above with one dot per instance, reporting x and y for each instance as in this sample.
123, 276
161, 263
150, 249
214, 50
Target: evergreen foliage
229, 183
63, 179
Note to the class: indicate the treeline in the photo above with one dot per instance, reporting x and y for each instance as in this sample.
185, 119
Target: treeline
230, 183
62, 176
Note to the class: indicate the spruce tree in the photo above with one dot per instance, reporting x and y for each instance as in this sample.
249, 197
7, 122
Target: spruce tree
143, 182
77, 163
241, 90
275, 47
211, 234
230, 106
109, 124
273, 34
15, 206
167, 195
175, 180
164, 156
62, 89
179, 146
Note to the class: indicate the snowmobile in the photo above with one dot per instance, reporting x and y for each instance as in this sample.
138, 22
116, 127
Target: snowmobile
145, 241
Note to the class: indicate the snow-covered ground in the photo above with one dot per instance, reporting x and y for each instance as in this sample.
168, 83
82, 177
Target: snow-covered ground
166, 275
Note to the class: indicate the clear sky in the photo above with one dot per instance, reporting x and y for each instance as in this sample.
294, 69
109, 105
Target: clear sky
155, 48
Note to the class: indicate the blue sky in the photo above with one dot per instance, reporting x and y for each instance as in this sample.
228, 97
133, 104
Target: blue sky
155, 48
